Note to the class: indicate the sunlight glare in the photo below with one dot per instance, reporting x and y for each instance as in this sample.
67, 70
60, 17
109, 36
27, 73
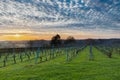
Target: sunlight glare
17, 35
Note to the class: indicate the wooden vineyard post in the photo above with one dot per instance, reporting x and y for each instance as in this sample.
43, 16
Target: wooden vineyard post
59, 51
91, 53
73, 52
55, 52
29, 53
50, 54
110, 52
119, 51
76, 52
21, 57
14, 57
28, 56
25, 52
41, 55
40, 58
33, 50
52, 51
6, 58
4, 62
0, 55
46, 55
42, 51
67, 56
70, 53
37, 55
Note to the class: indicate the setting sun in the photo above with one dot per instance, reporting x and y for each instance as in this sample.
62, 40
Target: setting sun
17, 35
20, 37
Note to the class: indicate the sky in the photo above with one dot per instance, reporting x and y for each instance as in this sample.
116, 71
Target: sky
41, 19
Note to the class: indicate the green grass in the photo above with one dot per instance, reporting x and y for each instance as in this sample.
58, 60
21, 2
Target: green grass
79, 68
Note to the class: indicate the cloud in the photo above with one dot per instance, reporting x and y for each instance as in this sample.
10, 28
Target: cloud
67, 16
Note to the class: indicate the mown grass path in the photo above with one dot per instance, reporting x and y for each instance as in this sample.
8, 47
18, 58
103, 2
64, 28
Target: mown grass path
79, 68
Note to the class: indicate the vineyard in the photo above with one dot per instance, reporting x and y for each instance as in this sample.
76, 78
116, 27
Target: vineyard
37, 55
91, 62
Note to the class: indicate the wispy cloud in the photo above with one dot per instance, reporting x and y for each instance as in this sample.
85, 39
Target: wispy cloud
60, 16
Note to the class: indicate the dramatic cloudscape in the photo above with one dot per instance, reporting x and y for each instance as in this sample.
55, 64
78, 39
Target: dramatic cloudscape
41, 19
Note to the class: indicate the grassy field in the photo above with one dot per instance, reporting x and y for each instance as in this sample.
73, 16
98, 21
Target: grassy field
79, 68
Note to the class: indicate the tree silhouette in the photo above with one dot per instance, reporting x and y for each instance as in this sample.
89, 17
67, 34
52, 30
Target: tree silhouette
56, 41
70, 40
30, 43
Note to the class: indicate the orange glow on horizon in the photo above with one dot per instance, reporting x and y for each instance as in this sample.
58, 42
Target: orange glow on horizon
20, 37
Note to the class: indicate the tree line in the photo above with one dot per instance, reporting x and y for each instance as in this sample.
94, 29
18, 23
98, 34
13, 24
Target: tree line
56, 41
